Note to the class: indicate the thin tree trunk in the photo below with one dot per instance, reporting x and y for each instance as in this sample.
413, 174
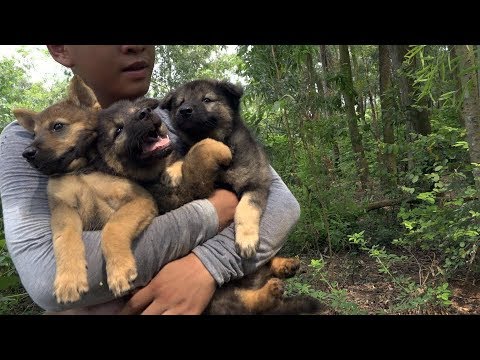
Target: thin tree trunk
471, 105
326, 68
356, 74
458, 85
376, 129
387, 103
349, 95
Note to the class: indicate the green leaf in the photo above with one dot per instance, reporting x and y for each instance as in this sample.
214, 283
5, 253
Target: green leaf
461, 144
7, 281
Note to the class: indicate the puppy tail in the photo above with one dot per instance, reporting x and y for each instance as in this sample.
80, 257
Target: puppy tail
297, 305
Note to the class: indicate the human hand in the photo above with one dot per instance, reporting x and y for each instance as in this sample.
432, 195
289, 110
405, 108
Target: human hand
182, 287
225, 203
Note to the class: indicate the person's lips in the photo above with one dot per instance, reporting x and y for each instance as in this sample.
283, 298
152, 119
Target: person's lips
136, 66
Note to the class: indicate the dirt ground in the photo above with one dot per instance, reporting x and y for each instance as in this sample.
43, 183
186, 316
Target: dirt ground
358, 276
377, 293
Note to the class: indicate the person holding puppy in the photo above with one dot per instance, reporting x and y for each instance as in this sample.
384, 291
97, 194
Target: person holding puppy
182, 256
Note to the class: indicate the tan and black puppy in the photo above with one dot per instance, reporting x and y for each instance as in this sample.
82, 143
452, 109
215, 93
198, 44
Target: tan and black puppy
203, 109
64, 136
133, 142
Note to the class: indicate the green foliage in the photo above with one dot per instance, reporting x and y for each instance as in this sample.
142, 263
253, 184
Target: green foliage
334, 297
17, 91
12, 86
444, 219
412, 296
176, 64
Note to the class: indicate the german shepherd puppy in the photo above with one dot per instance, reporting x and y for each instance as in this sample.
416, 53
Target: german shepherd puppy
207, 108
133, 142
63, 135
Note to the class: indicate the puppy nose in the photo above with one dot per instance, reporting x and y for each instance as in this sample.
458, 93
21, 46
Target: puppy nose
186, 111
29, 153
144, 113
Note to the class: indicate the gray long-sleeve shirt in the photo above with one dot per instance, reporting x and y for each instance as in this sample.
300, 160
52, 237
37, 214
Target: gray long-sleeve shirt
192, 227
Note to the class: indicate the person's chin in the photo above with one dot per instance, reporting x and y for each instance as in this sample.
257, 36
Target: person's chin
133, 90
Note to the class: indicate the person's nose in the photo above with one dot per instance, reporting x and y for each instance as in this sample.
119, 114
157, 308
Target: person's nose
132, 49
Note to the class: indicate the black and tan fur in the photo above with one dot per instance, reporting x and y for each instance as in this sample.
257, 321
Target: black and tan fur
203, 109
126, 129
261, 293
63, 145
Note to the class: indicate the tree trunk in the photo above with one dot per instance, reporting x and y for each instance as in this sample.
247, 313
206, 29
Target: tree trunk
349, 96
325, 66
458, 85
471, 105
359, 99
387, 102
418, 118
314, 88
325, 60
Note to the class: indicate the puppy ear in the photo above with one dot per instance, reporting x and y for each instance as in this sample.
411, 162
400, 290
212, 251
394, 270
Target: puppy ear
166, 102
232, 91
25, 118
81, 95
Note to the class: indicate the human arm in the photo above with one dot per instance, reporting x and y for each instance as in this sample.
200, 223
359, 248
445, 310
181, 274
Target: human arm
28, 235
186, 285
218, 254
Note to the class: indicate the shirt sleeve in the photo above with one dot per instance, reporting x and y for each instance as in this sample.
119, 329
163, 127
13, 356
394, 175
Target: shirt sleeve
26, 217
218, 254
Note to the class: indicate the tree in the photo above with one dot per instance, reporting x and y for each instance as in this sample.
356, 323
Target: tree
12, 84
349, 96
387, 103
176, 64
471, 105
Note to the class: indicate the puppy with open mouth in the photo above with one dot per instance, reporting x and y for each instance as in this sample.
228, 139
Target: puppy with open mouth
133, 142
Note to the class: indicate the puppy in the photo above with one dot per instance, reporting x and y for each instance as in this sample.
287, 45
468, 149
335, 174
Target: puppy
203, 109
63, 146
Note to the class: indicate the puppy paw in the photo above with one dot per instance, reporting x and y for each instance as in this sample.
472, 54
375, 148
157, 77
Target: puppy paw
285, 267
222, 154
276, 287
120, 274
216, 150
70, 285
246, 240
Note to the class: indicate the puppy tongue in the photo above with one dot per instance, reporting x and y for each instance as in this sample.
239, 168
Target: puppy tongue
157, 143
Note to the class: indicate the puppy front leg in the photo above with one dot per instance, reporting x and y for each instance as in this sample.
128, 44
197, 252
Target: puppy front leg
117, 236
71, 271
202, 166
247, 222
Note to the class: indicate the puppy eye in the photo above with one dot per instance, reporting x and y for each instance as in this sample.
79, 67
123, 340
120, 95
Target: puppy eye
207, 100
119, 130
57, 126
